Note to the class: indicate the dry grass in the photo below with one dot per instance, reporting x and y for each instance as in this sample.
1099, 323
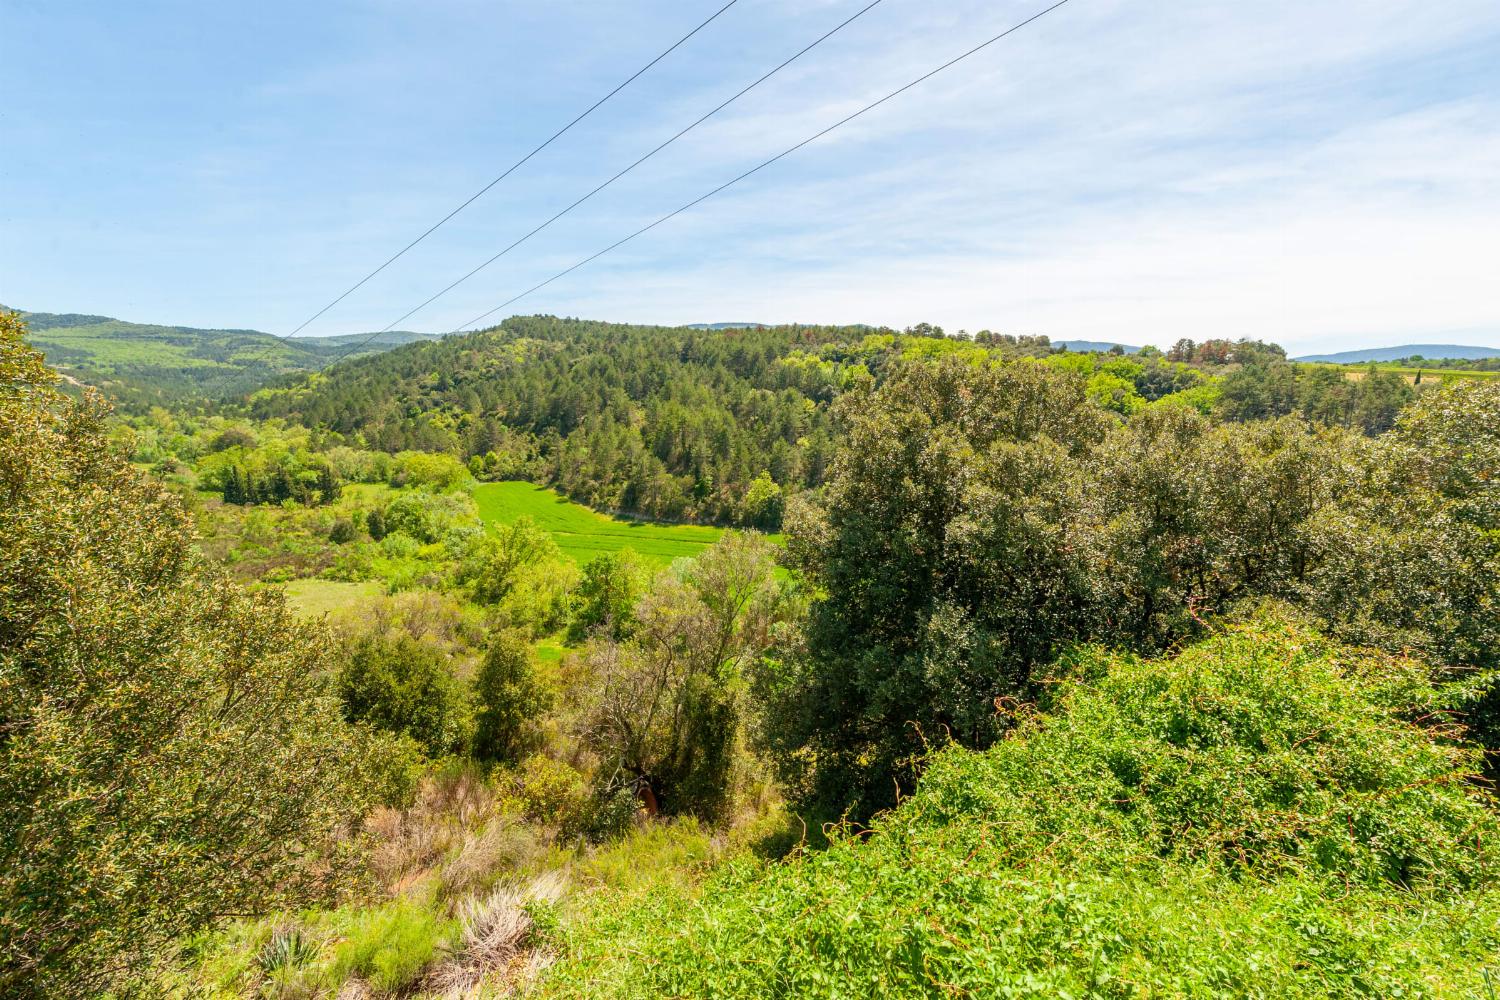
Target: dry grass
458, 832
496, 953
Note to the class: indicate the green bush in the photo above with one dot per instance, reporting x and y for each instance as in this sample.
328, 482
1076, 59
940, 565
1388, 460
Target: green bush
391, 946
170, 750
605, 601
428, 517
509, 698
438, 471
1253, 817
405, 686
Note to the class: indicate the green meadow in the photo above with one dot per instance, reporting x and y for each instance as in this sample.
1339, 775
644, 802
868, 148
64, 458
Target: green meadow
582, 533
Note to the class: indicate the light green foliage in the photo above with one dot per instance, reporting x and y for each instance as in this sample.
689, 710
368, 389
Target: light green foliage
407, 687
550, 792
668, 713
509, 699
604, 602
391, 946
435, 471
428, 517
1251, 818
497, 561
581, 533
1115, 393
172, 752
763, 503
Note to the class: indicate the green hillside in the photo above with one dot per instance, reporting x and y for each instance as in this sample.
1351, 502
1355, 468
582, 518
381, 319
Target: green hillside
1254, 817
145, 363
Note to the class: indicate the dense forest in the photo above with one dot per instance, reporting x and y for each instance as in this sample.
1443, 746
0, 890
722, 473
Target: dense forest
1027, 672
721, 425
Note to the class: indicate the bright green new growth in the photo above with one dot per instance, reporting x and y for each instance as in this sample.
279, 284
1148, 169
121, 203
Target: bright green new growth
1254, 817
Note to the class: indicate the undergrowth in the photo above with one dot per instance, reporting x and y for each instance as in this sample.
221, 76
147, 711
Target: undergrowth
1258, 816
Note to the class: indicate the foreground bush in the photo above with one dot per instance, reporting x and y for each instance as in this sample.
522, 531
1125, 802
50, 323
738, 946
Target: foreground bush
1252, 818
169, 751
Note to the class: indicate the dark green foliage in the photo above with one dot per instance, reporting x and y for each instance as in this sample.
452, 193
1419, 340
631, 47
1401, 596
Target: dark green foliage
375, 524
1322, 393
171, 751
404, 686
673, 423
945, 549
317, 486
343, 532
978, 521
1252, 818
509, 699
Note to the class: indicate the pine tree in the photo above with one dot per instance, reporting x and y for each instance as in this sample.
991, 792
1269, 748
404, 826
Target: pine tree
329, 487
235, 486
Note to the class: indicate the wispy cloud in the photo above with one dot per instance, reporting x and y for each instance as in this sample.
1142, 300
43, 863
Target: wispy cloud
1321, 174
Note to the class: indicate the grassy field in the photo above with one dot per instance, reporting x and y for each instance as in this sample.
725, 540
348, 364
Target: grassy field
314, 598
582, 533
1434, 376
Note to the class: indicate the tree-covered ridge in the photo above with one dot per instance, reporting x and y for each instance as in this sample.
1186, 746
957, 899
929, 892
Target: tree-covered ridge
675, 423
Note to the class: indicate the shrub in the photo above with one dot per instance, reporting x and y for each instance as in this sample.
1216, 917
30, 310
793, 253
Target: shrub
497, 561
427, 517
342, 531
392, 946
418, 468
508, 699
605, 601
375, 524
405, 686
1253, 817
550, 792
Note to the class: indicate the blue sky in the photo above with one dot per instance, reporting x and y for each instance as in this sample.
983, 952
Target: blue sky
1325, 175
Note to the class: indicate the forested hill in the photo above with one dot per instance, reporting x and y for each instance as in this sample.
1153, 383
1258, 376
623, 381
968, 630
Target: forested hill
145, 363
671, 422
674, 422
721, 425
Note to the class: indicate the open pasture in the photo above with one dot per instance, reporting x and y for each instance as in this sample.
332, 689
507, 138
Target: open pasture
582, 533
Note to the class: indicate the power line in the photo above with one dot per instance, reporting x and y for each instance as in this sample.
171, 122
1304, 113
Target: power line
433, 298
758, 168
510, 170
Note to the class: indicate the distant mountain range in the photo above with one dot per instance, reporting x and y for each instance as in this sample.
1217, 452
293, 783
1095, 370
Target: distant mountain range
1092, 346
146, 363
1432, 352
